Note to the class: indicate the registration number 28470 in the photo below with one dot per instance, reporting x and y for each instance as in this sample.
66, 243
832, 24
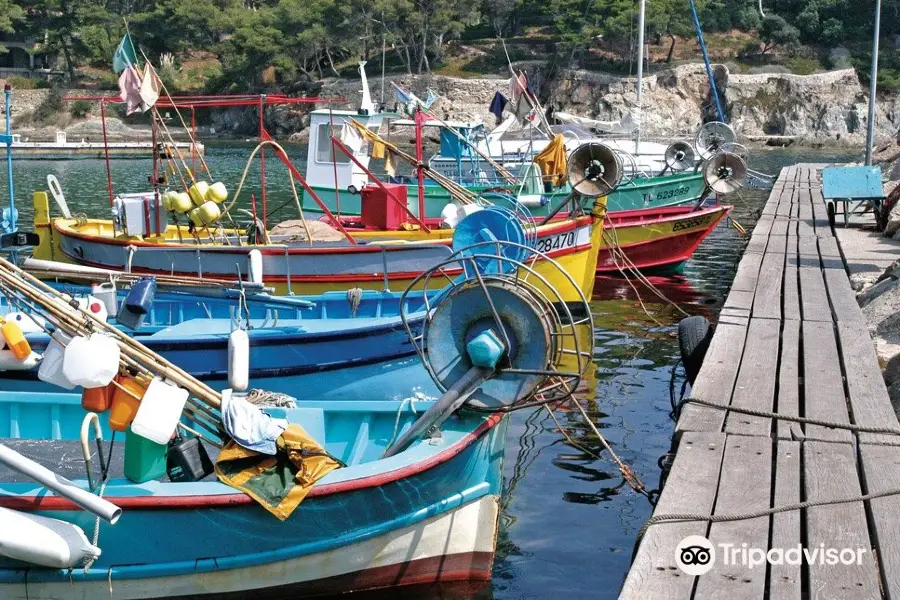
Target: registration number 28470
563, 241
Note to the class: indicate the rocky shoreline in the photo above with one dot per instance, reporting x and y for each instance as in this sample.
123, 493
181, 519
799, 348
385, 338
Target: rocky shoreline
819, 110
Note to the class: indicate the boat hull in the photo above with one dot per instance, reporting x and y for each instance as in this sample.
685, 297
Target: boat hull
653, 192
301, 269
656, 241
427, 515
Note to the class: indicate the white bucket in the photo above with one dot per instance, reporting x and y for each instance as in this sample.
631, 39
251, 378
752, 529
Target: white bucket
160, 411
51, 369
106, 293
91, 362
43, 541
238, 360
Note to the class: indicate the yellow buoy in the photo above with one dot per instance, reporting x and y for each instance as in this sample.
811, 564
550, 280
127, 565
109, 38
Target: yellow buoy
218, 193
198, 192
181, 202
167, 200
15, 340
205, 214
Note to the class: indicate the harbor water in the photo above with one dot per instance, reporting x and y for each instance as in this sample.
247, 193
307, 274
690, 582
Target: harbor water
568, 519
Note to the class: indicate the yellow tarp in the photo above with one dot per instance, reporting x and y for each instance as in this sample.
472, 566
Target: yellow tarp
377, 149
552, 161
281, 482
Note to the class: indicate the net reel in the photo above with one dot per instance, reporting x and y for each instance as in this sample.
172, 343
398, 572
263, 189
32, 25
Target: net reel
679, 156
595, 169
711, 137
508, 204
724, 173
499, 337
632, 171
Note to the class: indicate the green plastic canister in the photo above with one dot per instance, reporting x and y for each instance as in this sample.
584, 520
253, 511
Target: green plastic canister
145, 460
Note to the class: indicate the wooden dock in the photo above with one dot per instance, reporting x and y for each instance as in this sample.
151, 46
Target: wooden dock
791, 340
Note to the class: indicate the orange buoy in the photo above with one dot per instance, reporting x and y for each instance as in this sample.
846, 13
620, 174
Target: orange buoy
15, 340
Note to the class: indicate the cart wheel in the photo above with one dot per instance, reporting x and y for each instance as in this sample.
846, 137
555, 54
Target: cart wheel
830, 209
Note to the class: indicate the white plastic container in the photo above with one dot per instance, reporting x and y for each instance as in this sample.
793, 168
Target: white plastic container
8, 362
95, 306
159, 411
91, 362
238, 360
43, 541
51, 369
106, 293
256, 266
27, 323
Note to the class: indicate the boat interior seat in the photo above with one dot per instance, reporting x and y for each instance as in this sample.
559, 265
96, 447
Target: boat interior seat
310, 418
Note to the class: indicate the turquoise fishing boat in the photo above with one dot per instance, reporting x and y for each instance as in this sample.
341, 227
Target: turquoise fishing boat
412, 498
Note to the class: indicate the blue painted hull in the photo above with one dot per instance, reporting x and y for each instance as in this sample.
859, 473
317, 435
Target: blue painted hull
321, 352
398, 521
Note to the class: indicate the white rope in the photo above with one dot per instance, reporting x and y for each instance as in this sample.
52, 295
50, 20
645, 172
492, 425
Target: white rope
412, 405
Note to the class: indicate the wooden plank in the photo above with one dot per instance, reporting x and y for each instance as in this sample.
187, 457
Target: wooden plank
791, 288
869, 401
757, 244
808, 246
789, 380
843, 300
715, 382
828, 247
763, 225
747, 273
739, 300
755, 384
691, 487
777, 244
745, 485
767, 301
805, 229
823, 386
829, 471
881, 471
813, 298
780, 227
785, 579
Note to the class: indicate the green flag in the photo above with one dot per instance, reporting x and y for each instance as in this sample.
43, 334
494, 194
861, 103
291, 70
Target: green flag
125, 55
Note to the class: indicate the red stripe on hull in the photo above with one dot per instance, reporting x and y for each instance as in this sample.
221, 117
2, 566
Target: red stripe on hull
464, 574
661, 252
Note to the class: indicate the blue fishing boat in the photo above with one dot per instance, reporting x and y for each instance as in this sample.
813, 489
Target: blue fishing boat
332, 346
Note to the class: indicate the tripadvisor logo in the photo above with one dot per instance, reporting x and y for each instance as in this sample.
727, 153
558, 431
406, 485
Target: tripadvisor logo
695, 555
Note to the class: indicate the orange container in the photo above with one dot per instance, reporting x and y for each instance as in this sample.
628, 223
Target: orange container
15, 340
124, 405
98, 399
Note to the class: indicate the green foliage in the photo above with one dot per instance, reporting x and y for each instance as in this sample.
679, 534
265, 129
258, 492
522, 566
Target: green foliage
775, 31
80, 109
49, 110
22, 83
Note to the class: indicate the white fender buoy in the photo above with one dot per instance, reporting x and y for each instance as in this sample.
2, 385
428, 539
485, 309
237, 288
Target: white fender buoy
8, 361
238, 360
44, 541
91, 362
256, 267
57, 193
27, 323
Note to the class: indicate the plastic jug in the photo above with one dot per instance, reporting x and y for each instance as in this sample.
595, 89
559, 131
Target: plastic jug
160, 411
15, 340
96, 399
91, 361
140, 298
51, 369
94, 306
187, 460
106, 293
8, 362
124, 405
144, 460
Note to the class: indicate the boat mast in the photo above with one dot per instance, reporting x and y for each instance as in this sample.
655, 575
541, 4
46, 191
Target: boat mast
873, 86
11, 227
640, 75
